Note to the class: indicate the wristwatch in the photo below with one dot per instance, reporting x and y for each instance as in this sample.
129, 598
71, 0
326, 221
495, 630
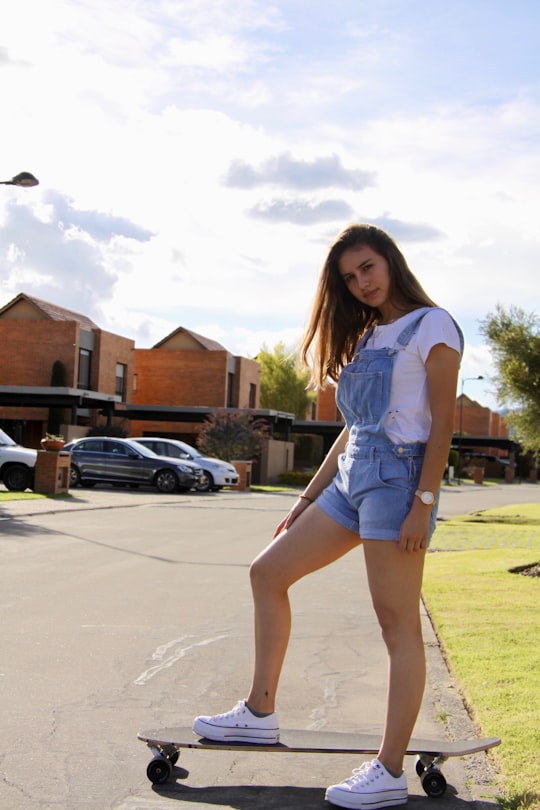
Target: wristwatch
425, 496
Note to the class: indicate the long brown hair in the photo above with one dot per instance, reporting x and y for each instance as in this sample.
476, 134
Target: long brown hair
338, 319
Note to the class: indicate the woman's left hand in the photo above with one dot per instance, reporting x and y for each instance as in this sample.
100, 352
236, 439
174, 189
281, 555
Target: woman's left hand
413, 535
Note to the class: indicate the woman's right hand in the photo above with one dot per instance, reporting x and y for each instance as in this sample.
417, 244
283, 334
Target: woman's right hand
320, 480
300, 506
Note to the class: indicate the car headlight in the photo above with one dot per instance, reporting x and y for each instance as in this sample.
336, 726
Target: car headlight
183, 468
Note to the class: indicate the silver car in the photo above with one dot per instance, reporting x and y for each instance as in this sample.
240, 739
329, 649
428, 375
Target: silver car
217, 473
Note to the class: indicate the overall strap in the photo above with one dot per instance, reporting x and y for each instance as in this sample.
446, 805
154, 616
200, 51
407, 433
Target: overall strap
406, 335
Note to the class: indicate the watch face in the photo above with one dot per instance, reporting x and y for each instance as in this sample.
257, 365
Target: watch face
427, 497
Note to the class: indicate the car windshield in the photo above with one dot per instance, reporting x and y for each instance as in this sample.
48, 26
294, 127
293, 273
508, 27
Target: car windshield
187, 448
5, 439
135, 447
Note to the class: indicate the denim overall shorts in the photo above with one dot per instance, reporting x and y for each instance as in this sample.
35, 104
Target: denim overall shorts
374, 487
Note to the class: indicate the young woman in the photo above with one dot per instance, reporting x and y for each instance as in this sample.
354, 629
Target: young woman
395, 356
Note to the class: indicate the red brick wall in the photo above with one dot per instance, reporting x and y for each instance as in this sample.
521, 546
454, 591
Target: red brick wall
327, 410
477, 420
28, 350
186, 431
181, 377
248, 372
110, 349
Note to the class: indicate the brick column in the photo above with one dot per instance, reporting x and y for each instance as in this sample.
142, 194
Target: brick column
52, 472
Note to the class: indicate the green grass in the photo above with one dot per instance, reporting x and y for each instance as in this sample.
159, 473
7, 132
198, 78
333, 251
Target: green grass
527, 514
487, 619
30, 496
279, 488
20, 496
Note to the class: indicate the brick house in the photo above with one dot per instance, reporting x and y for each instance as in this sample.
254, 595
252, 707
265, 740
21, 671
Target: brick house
187, 369
473, 419
183, 369
34, 334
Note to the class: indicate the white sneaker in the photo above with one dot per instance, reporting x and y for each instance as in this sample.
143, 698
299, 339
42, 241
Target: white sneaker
238, 725
370, 787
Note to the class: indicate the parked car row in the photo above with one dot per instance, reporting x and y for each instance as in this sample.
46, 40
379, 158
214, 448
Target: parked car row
124, 462
168, 465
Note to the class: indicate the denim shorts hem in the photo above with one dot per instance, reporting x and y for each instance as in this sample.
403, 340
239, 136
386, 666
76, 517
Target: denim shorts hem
347, 521
379, 534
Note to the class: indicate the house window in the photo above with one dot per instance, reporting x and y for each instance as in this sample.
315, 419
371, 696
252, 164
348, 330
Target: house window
83, 377
252, 395
230, 388
120, 387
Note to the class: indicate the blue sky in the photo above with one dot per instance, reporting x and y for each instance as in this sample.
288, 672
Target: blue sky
196, 157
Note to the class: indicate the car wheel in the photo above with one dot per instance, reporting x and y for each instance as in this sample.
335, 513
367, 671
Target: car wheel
207, 484
74, 477
17, 478
166, 481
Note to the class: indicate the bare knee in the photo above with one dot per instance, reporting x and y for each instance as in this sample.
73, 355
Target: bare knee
398, 628
266, 576
261, 574
257, 571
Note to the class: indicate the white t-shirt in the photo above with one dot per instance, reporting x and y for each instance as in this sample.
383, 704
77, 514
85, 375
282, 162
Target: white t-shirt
409, 416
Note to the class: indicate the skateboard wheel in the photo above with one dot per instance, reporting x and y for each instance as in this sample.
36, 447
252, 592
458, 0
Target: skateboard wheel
434, 783
419, 766
159, 770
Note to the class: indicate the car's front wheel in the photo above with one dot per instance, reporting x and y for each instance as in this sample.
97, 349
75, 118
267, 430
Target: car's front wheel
207, 483
166, 481
17, 478
74, 477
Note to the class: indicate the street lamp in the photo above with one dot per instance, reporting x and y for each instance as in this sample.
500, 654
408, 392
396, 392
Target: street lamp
24, 179
463, 381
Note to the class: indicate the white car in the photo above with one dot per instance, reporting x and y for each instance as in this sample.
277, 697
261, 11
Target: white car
217, 473
16, 464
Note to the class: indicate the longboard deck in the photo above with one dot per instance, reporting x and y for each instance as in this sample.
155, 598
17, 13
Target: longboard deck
319, 742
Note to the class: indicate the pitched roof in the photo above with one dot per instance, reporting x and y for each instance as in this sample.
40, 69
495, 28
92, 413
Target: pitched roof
52, 311
204, 342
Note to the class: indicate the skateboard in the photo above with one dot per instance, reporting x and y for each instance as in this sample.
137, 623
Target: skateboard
165, 745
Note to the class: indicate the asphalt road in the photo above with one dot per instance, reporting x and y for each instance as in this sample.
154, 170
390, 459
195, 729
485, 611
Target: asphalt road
123, 611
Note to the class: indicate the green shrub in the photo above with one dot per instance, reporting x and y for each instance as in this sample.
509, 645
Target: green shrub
296, 478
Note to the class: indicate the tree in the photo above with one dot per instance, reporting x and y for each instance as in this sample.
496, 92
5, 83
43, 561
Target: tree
232, 436
514, 338
283, 387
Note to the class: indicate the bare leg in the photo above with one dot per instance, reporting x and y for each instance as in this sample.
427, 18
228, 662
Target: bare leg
313, 541
395, 581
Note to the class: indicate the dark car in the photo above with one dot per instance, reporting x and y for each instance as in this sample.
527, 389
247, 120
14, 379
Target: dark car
100, 459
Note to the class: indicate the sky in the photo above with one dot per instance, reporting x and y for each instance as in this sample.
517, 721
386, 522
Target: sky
196, 158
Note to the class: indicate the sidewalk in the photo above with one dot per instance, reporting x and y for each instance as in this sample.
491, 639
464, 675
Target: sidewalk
455, 500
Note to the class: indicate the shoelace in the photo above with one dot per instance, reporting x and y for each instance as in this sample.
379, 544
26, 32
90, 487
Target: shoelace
360, 775
238, 709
